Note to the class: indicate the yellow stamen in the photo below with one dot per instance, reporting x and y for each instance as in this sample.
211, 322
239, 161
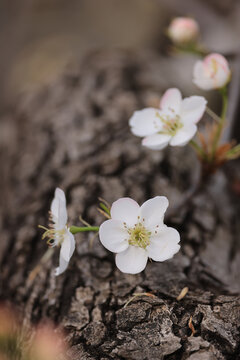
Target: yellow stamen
55, 237
139, 236
171, 124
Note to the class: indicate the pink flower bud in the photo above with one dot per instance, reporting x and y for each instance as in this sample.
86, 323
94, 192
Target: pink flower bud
183, 30
211, 73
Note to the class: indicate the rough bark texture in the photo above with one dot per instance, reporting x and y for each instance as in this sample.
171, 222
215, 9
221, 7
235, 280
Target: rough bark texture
74, 134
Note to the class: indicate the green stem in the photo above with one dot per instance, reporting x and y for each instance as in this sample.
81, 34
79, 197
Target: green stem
224, 94
77, 229
192, 48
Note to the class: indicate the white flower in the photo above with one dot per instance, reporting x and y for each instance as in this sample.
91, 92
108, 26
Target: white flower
183, 30
212, 72
137, 233
59, 233
174, 123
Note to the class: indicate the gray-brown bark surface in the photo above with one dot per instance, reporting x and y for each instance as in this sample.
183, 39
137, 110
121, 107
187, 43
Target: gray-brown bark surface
75, 135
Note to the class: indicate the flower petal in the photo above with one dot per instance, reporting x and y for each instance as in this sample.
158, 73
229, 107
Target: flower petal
145, 122
164, 245
199, 77
171, 100
153, 210
63, 264
157, 141
184, 135
216, 67
67, 249
221, 60
113, 236
58, 209
132, 261
222, 77
59, 194
68, 246
193, 109
125, 210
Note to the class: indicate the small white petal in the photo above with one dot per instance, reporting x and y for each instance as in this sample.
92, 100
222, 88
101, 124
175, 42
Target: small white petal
153, 210
68, 246
59, 210
171, 100
156, 142
62, 266
62, 220
221, 77
145, 122
221, 60
125, 210
164, 245
132, 261
55, 207
184, 135
199, 77
193, 109
113, 236
59, 194
59, 215
219, 71
67, 249
204, 83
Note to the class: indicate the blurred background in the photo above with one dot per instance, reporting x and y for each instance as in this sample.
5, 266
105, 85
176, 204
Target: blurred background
38, 38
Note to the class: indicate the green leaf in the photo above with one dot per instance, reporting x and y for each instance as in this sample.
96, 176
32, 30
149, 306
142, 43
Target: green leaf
234, 153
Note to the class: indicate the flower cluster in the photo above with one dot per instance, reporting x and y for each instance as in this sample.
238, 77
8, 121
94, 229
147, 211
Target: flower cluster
175, 121
135, 233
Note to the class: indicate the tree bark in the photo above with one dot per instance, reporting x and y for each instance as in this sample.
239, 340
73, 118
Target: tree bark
74, 134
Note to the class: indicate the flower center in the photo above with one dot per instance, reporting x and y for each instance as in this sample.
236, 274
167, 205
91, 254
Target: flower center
139, 236
171, 124
54, 237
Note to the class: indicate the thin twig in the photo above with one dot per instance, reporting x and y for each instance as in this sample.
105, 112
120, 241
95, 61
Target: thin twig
104, 201
83, 221
104, 213
213, 114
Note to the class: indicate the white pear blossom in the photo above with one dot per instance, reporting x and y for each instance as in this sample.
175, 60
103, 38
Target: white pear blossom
173, 123
212, 72
136, 233
58, 233
183, 30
